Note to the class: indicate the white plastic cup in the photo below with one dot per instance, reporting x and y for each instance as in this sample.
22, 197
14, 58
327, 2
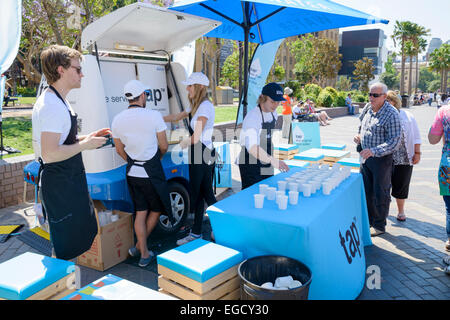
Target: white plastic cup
293, 197
307, 190
293, 186
278, 195
259, 200
271, 193
282, 185
263, 188
326, 188
282, 203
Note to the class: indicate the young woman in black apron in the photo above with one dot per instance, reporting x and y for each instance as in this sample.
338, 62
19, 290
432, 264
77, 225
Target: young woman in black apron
257, 163
201, 151
63, 186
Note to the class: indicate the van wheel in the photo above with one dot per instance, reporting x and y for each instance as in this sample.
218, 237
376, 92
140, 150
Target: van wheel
179, 197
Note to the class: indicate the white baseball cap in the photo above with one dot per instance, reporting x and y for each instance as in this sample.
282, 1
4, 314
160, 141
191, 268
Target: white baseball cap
196, 78
134, 89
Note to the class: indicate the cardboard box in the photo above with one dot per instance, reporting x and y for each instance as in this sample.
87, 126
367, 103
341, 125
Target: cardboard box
111, 244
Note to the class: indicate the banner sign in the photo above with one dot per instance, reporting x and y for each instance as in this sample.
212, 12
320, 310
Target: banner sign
306, 135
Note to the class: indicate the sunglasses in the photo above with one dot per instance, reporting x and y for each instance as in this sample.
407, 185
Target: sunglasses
77, 68
375, 95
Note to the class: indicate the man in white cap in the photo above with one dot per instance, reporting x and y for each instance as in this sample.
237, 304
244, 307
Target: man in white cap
140, 139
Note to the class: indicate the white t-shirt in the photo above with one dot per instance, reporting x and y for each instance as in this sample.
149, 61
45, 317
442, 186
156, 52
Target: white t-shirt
50, 114
205, 109
252, 125
136, 128
296, 111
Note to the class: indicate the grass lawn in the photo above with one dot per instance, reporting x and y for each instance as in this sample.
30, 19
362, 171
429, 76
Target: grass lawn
27, 100
17, 134
228, 113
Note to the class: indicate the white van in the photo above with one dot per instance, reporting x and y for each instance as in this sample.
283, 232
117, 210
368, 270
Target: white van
133, 42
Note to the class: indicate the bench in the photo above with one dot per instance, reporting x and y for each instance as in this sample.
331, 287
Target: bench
13, 100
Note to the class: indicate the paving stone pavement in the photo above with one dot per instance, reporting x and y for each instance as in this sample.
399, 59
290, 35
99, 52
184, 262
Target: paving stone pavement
408, 257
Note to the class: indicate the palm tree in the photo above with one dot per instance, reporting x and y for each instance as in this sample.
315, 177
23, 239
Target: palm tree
440, 61
402, 33
421, 46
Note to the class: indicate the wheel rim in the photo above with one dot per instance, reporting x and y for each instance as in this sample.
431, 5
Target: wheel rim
177, 203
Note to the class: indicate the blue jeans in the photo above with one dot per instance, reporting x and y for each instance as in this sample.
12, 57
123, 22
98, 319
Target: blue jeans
351, 109
447, 209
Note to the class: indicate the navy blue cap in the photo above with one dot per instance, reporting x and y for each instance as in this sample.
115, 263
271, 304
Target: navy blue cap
274, 91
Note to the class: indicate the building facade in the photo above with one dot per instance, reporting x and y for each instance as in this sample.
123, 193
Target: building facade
355, 45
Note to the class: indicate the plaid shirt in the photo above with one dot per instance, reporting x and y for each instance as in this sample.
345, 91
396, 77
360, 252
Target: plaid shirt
380, 131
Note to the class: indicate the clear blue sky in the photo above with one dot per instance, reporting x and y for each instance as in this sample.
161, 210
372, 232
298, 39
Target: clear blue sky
432, 14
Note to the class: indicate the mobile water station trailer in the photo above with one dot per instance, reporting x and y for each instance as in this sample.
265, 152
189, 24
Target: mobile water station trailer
133, 42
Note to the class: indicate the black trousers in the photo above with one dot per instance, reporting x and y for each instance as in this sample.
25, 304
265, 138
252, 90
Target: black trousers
200, 179
376, 173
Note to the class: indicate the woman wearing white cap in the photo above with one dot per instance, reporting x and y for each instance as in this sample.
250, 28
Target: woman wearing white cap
201, 151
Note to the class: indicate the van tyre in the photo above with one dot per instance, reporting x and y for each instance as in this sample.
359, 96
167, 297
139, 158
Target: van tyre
179, 198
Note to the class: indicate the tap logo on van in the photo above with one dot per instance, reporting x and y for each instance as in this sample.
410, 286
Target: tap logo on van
154, 96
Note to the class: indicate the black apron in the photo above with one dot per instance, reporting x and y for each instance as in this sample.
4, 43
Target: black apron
155, 172
201, 161
66, 201
252, 169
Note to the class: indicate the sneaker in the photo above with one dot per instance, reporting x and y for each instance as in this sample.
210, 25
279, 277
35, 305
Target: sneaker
375, 232
143, 262
190, 237
447, 245
134, 252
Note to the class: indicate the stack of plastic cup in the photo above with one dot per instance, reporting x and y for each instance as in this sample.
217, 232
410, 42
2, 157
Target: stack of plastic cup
259, 200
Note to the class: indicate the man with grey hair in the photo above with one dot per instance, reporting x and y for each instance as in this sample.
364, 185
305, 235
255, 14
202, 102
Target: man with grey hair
377, 138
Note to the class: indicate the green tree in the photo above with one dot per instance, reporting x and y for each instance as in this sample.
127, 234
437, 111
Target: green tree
230, 70
402, 33
390, 77
440, 62
363, 72
344, 83
302, 50
425, 78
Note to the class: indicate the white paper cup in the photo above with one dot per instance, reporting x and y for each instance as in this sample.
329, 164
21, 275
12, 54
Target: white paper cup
293, 186
259, 200
282, 204
293, 197
263, 188
326, 188
271, 193
307, 190
282, 185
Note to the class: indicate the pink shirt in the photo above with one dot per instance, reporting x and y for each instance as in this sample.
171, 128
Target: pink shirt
437, 128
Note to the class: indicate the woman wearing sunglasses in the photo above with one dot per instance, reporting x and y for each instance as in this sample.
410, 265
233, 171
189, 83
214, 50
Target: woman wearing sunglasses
64, 193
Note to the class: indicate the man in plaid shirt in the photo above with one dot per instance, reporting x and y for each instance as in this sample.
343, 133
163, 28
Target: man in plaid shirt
378, 136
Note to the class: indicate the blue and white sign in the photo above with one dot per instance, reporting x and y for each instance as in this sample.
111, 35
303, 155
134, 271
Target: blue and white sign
306, 135
259, 70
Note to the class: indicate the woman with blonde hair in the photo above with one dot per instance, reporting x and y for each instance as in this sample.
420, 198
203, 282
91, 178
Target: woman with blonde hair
405, 156
201, 151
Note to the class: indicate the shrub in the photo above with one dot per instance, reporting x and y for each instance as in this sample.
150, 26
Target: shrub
340, 99
26, 92
313, 90
360, 98
325, 99
332, 91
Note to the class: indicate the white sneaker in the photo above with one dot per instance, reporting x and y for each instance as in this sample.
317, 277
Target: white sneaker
190, 237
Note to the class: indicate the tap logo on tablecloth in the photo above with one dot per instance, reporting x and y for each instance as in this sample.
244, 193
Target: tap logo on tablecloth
351, 242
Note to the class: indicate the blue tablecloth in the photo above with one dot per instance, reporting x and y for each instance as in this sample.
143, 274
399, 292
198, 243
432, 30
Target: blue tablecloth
327, 233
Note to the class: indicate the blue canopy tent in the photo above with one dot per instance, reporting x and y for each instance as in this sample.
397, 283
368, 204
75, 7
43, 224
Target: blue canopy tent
262, 21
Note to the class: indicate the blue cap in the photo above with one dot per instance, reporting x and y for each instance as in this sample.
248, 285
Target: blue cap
274, 91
